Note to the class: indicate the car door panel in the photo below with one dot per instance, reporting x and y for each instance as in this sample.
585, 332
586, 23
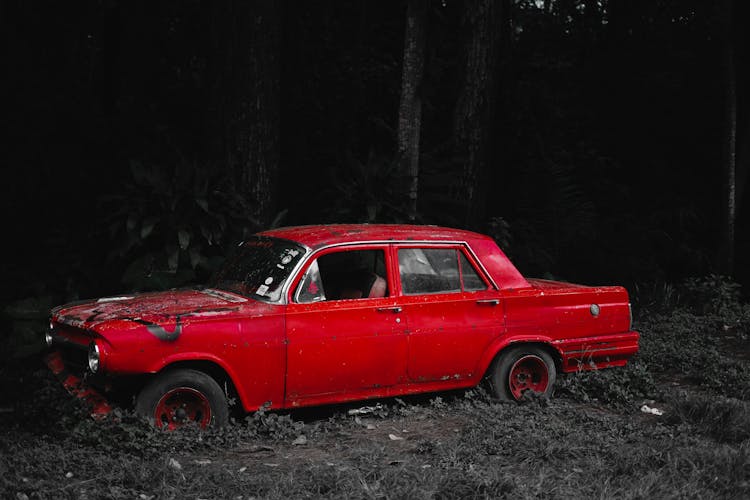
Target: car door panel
344, 346
447, 332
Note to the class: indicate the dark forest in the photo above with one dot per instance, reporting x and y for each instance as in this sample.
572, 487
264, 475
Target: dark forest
596, 140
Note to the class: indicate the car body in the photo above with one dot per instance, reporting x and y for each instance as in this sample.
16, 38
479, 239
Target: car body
313, 315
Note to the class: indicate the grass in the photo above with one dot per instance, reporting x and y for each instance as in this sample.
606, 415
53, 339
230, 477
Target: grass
590, 440
465, 447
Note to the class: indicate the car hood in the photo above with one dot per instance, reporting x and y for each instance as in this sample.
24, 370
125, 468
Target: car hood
153, 308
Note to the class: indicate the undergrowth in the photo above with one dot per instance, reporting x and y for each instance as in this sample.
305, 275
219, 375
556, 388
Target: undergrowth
589, 440
688, 335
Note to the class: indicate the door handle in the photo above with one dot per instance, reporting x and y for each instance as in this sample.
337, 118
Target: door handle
394, 309
488, 302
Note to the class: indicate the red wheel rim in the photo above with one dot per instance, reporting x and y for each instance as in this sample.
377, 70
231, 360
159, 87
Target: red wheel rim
529, 373
181, 406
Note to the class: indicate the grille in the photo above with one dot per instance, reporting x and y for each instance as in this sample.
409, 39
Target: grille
76, 359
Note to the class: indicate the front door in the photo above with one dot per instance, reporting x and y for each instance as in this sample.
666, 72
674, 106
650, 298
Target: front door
344, 330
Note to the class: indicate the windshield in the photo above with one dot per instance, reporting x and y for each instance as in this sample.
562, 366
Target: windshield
260, 268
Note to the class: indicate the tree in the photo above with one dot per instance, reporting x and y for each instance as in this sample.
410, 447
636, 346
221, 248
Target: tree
410, 104
730, 139
475, 109
245, 98
740, 12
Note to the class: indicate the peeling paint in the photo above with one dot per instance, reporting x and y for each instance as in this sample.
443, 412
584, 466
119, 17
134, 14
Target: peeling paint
159, 331
223, 295
113, 299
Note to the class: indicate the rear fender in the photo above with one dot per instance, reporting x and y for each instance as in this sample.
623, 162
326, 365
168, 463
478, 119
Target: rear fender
503, 343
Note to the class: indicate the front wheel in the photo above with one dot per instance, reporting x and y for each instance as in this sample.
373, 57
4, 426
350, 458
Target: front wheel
522, 369
179, 397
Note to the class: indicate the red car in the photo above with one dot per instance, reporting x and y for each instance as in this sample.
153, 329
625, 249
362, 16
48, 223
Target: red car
324, 314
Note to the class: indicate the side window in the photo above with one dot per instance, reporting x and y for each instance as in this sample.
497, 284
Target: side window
428, 270
352, 274
311, 287
471, 280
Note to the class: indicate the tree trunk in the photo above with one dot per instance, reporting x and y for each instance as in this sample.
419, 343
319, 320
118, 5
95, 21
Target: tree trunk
245, 99
730, 142
410, 105
475, 108
742, 166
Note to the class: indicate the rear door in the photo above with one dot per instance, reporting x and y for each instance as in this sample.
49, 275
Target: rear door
452, 311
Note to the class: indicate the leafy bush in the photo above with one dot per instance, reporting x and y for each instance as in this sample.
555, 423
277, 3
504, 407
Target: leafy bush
272, 425
685, 332
621, 386
366, 191
713, 294
172, 224
24, 322
655, 296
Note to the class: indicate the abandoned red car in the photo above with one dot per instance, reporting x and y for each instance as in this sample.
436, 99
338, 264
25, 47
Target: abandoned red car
323, 314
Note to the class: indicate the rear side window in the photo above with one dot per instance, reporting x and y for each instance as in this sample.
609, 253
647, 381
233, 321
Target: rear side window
436, 270
428, 270
471, 280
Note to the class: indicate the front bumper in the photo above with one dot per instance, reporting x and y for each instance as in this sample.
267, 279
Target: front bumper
76, 386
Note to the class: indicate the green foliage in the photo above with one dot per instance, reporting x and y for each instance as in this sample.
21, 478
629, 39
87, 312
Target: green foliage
621, 386
694, 347
655, 296
460, 444
24, 322
272, 425
170, 225
455, 445
553, 216
499, 229
713, 294
724, 419
689, 333
366, 191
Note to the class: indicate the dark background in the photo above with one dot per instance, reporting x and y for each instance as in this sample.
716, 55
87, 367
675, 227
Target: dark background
137, 134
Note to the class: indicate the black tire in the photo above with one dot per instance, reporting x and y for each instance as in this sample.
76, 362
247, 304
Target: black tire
180, 397
533, 370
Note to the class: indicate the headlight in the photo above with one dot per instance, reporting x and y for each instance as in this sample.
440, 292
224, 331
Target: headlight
48, 338
93, 357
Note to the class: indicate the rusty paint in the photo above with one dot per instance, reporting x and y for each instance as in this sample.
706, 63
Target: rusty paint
159, 331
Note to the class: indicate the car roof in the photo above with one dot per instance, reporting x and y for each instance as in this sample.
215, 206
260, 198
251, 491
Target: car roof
330, 234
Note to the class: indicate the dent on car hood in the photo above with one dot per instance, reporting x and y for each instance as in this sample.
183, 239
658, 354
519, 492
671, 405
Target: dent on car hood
152, 309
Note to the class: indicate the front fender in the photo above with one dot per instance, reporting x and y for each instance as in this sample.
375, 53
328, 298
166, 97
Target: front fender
192, 357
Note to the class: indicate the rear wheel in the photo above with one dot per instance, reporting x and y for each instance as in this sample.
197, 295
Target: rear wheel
521, 369
180, 397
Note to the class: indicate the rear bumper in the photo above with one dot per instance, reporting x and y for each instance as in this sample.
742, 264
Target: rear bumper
602, 351
76, 386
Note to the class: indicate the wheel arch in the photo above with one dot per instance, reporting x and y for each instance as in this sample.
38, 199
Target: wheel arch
211, 368
495, 351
